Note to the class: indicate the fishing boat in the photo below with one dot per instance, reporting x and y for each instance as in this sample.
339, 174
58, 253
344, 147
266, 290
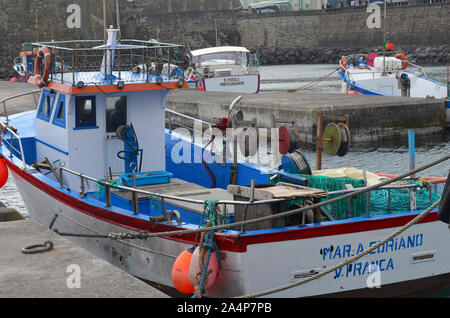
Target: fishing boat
23, 64
224, 69
101, 162
377, 75
370, 74
390, 74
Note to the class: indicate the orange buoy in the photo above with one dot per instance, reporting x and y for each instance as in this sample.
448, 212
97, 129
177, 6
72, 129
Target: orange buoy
352, 92
180, 273
3, 173
195, 268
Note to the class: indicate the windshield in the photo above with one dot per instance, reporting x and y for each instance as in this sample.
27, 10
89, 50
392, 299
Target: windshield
226, 58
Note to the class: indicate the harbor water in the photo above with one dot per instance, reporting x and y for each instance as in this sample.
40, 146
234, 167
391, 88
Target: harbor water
388, 157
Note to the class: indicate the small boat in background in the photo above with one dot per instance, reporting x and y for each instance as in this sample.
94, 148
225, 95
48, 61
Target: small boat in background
377, 75
386, 75
390, 76
224, 69
23, 64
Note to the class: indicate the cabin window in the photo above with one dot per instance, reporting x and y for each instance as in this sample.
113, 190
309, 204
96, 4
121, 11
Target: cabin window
45, 105
60, 114
116, 113
85, 116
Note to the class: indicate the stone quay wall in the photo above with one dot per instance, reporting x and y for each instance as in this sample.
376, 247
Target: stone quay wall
316, 36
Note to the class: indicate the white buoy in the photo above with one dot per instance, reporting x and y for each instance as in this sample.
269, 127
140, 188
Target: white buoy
344, 88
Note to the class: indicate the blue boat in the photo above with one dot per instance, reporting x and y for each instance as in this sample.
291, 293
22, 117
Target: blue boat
102, 162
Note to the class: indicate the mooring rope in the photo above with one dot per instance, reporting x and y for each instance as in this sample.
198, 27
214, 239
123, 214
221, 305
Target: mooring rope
145, 235
311, 84
348, 261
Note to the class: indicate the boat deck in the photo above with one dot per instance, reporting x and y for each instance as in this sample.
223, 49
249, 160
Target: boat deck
181, 188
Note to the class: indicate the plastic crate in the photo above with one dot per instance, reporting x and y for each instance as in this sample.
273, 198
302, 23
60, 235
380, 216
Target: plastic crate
146, 178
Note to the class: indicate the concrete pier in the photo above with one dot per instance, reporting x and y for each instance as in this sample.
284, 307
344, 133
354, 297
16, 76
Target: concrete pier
54, 274
8, 215
372, 118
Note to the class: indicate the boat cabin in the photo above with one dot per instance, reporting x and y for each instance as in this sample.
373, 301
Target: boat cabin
222, 61
102, 112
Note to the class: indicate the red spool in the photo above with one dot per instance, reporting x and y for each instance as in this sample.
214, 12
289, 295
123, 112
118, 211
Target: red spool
285, 140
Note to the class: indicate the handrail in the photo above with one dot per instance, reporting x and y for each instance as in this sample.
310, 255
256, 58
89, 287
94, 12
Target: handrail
5, 128
13, 134
172, 112
14, 97
201, 202
167, 196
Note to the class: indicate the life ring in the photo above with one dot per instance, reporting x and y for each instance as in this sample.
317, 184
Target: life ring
402, 57
343, 64
42, 80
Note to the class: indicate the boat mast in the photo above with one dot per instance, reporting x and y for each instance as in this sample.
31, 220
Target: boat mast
105, 35
384, 41
118, 17
215, 26
448, 82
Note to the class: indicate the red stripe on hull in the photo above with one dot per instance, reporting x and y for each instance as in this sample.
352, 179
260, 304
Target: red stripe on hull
226, 242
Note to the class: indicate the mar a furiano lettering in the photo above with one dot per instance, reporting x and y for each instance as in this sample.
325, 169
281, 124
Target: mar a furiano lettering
385, 261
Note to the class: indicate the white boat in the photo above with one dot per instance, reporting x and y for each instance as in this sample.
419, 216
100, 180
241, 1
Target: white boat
224, 69
95, 162
390, 76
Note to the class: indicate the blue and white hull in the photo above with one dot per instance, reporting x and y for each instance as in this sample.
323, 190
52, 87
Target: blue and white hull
368, 80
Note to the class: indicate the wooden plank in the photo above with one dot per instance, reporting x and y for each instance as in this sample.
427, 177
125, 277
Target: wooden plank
281, 191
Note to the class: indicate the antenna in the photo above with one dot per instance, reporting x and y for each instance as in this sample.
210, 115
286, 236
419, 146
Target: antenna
384, 41
104, 22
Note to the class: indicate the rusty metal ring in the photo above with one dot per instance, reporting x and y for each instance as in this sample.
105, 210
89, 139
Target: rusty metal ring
38, 248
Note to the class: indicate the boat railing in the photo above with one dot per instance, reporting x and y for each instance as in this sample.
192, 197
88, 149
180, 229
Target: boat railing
418, 68
167, 215
22, 102
9, 134
195, 126
130, 61
5, 128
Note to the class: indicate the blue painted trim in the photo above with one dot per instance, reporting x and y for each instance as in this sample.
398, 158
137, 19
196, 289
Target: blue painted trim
60, 104
46, 93
93, 123
361, 88
52, 147
86, 128
432, 81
